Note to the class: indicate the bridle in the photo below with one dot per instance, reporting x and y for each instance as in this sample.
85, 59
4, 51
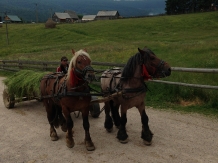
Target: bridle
158, 68
84, 71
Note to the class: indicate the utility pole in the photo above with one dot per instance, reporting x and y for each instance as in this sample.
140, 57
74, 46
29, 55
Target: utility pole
36, 12
6, 24
51, 12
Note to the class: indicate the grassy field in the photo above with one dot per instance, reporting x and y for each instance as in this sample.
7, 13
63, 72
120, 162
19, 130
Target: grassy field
189, 40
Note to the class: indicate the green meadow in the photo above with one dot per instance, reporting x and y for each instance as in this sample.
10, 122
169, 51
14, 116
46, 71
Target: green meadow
189, 40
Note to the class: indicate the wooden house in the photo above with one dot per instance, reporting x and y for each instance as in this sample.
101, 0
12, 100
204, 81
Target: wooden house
61, 17
102, 15
12, 19
72, 14
88, 17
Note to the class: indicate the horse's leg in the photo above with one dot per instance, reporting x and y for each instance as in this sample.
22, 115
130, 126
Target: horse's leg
121, 134
108, 123
146, 133
115, 113
51, 116
88, 141
69, 122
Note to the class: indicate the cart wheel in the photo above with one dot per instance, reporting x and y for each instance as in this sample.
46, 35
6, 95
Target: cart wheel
9, 100
94, 109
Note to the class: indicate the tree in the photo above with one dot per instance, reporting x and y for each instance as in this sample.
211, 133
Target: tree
184, 6
175, 6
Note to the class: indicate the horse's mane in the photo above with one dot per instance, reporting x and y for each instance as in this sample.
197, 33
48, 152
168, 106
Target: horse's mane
132, 63
74, 58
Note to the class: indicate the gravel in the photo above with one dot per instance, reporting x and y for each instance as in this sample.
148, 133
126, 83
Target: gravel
178, 137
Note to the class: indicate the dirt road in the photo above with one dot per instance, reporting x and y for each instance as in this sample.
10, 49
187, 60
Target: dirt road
24, 138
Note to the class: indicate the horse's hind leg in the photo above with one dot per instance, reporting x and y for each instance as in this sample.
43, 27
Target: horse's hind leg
88, 141
53, 133
108, 123
146, 134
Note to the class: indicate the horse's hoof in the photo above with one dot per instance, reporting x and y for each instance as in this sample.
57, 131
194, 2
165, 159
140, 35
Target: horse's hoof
64, 128
109, 129
54, 138
123, 141
70, 143
89, 145
147, 142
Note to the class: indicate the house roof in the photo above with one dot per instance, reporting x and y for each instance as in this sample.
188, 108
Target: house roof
107, 13
14, 18
89, 17
72, 14
62, 15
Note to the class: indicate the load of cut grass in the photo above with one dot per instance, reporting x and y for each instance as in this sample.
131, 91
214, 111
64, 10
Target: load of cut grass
24, 83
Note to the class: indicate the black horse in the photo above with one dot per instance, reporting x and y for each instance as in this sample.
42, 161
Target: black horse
144, 65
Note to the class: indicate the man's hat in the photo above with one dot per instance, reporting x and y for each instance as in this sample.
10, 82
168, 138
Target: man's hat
64, 58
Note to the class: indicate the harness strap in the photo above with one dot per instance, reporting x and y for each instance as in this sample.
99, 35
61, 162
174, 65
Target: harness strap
138, 91
62, 90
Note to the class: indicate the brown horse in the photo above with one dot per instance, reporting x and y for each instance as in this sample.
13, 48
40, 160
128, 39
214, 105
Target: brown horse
144, 65
68, 93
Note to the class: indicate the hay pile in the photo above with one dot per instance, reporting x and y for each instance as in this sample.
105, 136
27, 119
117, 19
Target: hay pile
24, 83
50, 23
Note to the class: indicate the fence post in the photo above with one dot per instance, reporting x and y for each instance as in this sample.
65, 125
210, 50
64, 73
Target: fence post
20, 64
45, 66
3, 64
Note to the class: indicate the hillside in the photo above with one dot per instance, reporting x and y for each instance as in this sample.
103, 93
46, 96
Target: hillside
27, 9
192, 33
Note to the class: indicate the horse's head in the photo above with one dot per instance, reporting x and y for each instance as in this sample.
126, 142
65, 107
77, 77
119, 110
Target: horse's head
154, 66
80, 65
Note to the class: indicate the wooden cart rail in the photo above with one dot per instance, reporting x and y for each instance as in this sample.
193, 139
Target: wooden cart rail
94, 109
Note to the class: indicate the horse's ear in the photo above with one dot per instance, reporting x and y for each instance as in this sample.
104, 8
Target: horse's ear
141, 51
73, 52
85, 50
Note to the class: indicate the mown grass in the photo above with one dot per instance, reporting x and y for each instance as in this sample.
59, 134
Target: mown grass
182, 40
24, 88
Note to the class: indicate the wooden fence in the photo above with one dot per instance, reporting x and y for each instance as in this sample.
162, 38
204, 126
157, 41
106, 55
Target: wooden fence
16, 65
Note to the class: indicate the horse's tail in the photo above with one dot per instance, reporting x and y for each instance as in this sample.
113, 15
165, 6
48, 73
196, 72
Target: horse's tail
55, 110
59, 119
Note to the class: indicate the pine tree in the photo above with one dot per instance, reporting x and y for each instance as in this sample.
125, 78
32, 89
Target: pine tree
184, 6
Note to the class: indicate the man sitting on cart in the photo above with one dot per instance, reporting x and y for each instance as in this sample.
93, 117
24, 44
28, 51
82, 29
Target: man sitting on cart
63, 66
